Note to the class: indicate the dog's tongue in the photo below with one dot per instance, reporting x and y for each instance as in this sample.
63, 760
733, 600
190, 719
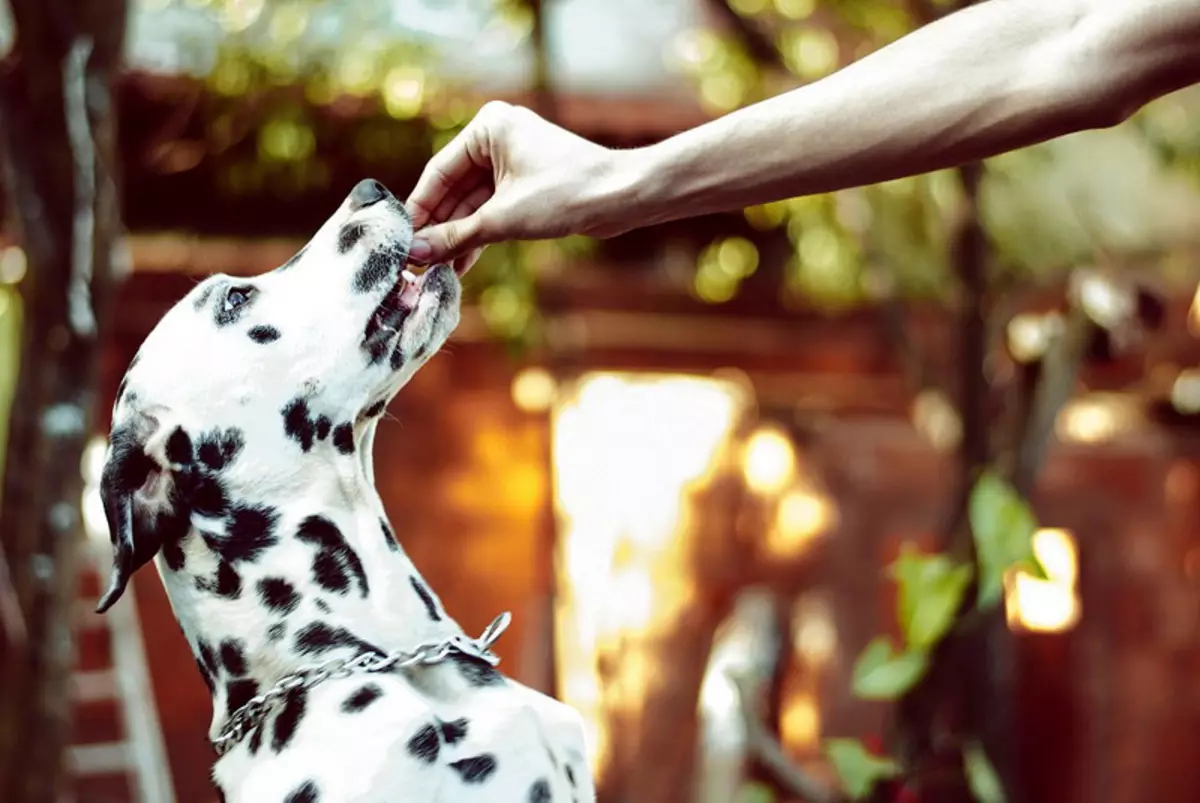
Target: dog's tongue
411, 290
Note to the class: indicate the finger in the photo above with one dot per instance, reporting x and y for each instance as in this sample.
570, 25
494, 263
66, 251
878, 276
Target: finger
445, 172
446, 208
444, 242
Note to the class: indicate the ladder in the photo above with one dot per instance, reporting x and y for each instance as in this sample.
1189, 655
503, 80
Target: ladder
138, 753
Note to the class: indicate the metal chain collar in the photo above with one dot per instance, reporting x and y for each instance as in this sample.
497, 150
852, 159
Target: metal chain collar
435, 652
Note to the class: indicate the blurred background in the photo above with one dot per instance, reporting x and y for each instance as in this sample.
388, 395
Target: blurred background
683, 458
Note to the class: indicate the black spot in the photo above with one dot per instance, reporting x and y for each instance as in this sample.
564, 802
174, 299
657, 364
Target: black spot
426, 597
229, 582
294, 703
335, 562
343, 438
389, 537
250, 533
304, 793
263, 334
476, 769
318, 638
233, 657
173, 556
278, 594
323, 606
362, 698
420, 353
377, 268
323, 427
570, 775
179, 448
256, 736
397, 358
276, 631
375, 409
297, 424
540, 791
454, 731
219, 448
349, 236
203, 298
424, 745
238, 693
475, 671
330, 573
207, 496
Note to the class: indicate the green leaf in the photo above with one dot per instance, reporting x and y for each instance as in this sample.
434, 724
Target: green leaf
930, 589
858, 768
882, 674
981, 776
1003, 527
756, 792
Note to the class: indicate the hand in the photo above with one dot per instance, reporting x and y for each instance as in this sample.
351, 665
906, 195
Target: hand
509, 175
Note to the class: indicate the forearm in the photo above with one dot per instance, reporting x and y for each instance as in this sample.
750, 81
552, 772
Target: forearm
995, 77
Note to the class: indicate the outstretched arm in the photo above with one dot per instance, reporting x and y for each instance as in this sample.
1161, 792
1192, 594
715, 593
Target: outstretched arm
991, 78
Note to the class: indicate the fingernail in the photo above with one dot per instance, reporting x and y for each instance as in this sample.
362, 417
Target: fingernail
420, 251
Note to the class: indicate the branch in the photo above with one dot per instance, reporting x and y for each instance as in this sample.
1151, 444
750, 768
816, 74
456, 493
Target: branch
12, 621
763, 745
753, 37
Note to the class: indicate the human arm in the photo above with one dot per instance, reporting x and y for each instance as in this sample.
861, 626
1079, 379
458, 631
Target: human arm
994, 77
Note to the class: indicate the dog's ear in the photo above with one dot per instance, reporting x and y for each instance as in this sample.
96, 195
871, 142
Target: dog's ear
141, 502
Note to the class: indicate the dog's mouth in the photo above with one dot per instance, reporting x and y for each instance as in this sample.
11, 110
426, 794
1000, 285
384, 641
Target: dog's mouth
385, 323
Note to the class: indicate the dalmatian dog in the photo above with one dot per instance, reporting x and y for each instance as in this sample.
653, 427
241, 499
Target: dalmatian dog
240, 462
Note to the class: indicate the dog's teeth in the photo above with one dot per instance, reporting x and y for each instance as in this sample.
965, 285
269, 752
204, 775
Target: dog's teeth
408, 275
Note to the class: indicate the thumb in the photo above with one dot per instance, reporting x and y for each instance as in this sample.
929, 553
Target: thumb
447, 241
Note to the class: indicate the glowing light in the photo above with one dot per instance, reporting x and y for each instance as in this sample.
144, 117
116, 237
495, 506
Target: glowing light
1030, 335
766, 216
693, 48
238, 15
358, 70
813, 634
802, 515
795, 9
289, 22
722, 91
748, 8
1185, 392
403, 92
1095, 418
533, 390
800, 722
769, 461
626, 449
1051, 605
934, 417
13, 265
809, 52
286, 141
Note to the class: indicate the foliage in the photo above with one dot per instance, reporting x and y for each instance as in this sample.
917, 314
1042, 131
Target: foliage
981, 776
1003, 527
858, 768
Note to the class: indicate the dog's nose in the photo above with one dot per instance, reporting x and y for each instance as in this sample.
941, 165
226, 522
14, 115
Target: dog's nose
367, 192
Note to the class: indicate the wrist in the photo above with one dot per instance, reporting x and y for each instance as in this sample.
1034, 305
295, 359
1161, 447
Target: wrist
624, 192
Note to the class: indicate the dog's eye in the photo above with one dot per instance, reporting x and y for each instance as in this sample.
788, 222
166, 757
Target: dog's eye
236, 297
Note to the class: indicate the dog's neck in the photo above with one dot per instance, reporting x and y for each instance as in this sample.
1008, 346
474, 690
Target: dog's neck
268, 590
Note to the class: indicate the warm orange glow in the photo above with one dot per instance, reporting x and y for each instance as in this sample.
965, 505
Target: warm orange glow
1194, 317
1051, 605
1096, 418
800, 722
533, 390
802, 516
626, 449
768, 461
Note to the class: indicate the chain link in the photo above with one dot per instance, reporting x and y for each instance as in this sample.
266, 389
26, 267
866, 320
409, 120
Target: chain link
248, 715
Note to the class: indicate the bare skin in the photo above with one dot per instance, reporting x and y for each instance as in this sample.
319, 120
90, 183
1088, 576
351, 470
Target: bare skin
994, 77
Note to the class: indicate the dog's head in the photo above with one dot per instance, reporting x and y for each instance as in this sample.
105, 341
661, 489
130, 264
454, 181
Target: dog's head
248, 386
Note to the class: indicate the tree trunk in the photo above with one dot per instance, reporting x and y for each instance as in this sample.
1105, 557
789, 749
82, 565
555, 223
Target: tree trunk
57, 146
